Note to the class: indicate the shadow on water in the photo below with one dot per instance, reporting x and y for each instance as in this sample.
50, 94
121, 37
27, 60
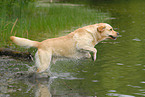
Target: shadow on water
118, 72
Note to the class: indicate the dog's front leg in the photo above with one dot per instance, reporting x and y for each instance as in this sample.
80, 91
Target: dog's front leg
95, 55
91, 49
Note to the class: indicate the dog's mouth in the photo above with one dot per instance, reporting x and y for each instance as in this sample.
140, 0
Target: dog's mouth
112, 37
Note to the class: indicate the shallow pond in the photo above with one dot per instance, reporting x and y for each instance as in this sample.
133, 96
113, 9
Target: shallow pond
118, 72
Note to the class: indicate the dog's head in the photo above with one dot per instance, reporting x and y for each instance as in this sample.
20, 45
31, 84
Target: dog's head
107, 31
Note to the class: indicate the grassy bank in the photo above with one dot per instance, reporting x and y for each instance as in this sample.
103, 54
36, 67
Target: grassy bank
38, 21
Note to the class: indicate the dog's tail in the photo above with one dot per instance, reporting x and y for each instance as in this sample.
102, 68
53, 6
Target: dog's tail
24, 42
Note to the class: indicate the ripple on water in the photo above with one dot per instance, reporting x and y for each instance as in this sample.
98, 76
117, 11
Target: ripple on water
136, 39
119, 63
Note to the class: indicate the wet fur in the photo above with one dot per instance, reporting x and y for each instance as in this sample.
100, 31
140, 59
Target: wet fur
76, 45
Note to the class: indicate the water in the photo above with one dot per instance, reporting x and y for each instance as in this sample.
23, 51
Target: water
118, 72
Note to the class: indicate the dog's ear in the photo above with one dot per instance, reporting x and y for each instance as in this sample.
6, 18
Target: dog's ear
101, 28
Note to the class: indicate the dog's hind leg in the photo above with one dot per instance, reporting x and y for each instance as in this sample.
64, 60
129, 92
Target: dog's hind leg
43, 59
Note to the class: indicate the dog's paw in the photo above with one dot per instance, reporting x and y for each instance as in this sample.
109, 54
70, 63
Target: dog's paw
88, 55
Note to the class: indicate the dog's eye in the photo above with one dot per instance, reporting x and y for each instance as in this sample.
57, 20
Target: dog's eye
110, 29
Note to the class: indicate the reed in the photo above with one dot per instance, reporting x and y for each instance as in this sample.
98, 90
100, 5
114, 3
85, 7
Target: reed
38, 22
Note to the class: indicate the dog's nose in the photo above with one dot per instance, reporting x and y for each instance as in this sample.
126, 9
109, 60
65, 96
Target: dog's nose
117, 33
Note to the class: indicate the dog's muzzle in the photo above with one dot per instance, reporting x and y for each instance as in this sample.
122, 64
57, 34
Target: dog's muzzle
112, 37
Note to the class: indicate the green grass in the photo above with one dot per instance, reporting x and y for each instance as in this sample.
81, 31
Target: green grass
38, 22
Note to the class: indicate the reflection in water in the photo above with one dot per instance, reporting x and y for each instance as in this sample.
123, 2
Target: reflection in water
42, 91
41, 87
119, 70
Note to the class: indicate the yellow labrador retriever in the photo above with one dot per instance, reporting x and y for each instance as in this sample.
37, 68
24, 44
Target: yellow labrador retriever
77, 44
